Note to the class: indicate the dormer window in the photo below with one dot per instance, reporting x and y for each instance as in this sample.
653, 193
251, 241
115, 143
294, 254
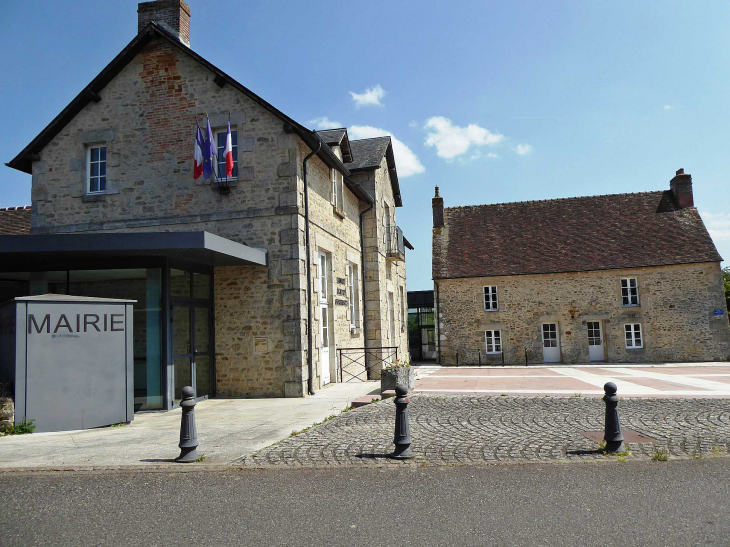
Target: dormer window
96, 169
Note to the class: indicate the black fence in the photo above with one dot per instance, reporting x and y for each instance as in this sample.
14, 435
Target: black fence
360, 364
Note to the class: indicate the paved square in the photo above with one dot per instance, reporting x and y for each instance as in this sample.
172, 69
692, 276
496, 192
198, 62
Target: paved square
665, 380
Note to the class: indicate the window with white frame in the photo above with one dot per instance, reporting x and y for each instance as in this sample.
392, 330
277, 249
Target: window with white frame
96, 169
323, 277
220, 139
493, 339
490, 298
634, 339
337, 182
630, 291
354, 295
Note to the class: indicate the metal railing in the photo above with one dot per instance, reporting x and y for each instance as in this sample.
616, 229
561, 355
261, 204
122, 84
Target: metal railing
364, 363
394, 245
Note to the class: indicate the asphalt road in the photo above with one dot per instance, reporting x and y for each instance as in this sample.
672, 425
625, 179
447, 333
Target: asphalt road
633, 503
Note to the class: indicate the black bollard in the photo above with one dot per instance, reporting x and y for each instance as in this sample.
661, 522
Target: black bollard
613, 436
402, 439
188, 433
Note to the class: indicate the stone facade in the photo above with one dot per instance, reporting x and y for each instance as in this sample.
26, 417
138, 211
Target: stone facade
146, 118
7, 408
676, 313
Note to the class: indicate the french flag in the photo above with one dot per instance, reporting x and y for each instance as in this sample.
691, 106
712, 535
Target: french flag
228, 152
198, 156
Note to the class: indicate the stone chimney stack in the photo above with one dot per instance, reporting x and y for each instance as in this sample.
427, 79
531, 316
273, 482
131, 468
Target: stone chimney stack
438, 210
172, 15
681, 186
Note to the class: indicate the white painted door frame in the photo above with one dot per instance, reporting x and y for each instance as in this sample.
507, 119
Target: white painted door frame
324, 320
550, 343
595, 341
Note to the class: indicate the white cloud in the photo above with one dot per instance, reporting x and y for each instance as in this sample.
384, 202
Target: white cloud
718, 224
523, 149
323, 122
668, 107
370, 97
412, 124
406, 161
492, 155
451, 140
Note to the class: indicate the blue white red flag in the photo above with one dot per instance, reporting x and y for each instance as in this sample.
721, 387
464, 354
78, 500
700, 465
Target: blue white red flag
198, 155
228, 152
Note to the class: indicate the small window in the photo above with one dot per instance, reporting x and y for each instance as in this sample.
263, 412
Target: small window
337, 182
630, 291
493, 341
220, 138
96, 169
633, 336
490, 298
354, 295
323, 277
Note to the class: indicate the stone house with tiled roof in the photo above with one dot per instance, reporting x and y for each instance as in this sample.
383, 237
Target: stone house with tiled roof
246, 286
614, 278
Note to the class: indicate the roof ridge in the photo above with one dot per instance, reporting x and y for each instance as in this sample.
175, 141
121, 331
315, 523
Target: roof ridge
554, 199
371, 138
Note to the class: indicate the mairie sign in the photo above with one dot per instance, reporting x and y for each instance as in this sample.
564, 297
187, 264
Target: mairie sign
76, 323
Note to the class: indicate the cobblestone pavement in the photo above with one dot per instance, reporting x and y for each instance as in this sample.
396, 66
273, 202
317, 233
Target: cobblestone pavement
449, 429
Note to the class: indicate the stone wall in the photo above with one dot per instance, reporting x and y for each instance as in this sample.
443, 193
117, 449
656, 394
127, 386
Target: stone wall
7, 408
378, 280
676, 312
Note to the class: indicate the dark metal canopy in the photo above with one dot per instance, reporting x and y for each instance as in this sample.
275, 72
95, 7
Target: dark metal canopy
194, 247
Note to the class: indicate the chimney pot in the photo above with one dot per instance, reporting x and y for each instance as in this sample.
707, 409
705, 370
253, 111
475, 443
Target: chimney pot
172, 15
681, 187
438, 210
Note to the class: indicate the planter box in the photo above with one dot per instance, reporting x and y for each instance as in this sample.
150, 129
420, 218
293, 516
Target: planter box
389, 378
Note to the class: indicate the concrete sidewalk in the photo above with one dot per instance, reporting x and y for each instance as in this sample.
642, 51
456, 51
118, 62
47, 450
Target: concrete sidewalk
228, 430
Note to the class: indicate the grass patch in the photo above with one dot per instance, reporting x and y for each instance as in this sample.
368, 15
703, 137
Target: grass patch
577, 394
121, 424
201, 459
23, 428
621, 458
659, 456
327, 419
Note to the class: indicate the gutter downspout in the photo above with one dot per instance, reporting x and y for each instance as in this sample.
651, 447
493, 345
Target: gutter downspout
362, 281
436, 320
310, 343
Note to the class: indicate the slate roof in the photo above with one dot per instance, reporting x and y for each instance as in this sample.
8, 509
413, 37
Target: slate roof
15, 221
571, 235
368, 154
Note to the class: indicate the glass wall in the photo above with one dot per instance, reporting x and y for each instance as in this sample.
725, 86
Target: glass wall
141, 284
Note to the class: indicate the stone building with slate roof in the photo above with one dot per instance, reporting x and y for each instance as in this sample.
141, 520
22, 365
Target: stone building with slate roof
614, 278
246, 286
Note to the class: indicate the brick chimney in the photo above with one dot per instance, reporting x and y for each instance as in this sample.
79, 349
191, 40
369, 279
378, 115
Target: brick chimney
438, 209
681, 186
172, 15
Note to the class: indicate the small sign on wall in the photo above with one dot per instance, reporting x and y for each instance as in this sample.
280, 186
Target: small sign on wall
341, 302
718, 312
260, 344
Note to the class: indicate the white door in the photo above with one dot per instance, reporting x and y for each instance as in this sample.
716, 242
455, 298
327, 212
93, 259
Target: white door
550, 346
595, 341
324, 322
391, 319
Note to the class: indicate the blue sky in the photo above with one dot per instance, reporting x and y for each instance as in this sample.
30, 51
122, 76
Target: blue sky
491, 101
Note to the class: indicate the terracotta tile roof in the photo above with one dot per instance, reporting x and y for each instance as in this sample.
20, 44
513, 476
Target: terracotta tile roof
15, 220
571, 235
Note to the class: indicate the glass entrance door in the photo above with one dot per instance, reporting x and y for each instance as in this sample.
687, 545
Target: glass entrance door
190, 328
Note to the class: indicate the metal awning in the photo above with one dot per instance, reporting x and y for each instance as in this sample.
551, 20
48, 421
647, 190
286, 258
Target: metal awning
195, 247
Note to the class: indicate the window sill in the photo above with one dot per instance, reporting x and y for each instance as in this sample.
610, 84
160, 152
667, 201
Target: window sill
232, 183
90, 198
492, 353
339, 212
631, 305
491, 311
633, 348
